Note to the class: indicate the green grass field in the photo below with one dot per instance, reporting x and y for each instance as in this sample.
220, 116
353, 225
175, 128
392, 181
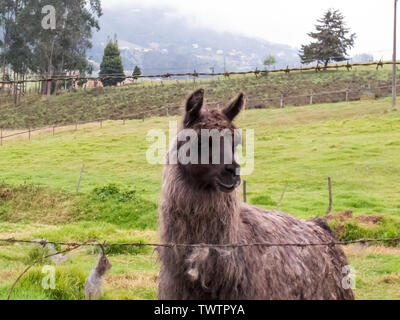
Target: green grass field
147, 97
357, 144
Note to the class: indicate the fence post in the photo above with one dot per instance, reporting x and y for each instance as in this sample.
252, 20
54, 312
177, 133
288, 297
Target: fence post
54, 129
101, 123
311, 98
76, 126
29, 132
123, 121
1, 136
167, 112
330, 196
244, 192
282, 102
347, 95
80, 178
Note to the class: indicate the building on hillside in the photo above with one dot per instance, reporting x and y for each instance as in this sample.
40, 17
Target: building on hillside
91, 84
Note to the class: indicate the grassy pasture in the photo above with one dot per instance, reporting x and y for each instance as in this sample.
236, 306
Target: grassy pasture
357, 144
115, 102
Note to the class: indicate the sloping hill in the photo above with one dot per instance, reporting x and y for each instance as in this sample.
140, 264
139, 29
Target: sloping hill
148, 98
160, 40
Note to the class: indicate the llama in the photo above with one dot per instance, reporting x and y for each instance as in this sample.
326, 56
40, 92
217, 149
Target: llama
201, 203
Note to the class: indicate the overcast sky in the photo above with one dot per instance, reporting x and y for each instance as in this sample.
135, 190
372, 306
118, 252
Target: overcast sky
286, 21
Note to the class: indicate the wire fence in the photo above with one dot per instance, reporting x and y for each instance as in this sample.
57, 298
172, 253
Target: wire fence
348, 66
71, 246
199, 245
167, 110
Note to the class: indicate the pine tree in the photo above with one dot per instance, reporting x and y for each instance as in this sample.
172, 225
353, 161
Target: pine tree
332, 40
112, 65
136, 72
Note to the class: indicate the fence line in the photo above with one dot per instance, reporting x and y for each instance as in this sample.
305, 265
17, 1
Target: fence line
198, 245
142, 114
71, 246
317, 68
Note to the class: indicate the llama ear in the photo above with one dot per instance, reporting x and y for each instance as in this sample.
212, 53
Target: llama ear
193, 106
235, 107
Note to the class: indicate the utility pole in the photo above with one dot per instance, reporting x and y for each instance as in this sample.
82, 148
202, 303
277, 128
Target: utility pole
394, 93
224, 64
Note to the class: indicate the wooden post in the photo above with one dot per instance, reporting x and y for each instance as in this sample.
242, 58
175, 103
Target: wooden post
54, 129
282, 102
311, 98
282, 196
244, 192
29, 133
123, 121
101, 123
347, 95
1, 136
330, 195
80, 178
76, 126
167, 112
394, 88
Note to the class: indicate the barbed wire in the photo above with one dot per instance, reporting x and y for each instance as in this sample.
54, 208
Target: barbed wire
106, 244
256, 72
71, 246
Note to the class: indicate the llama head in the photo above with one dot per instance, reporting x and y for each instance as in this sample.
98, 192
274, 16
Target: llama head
211, 145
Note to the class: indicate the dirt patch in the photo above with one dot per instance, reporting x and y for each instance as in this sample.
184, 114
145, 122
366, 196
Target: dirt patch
341, 216
373, 219
5, 193
348, 215
129, 281
5, 275
392, 279
364, 250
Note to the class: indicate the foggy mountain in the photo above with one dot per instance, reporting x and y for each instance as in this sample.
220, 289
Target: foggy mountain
160, 41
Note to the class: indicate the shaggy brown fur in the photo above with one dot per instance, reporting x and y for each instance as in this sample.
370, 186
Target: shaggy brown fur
193, 214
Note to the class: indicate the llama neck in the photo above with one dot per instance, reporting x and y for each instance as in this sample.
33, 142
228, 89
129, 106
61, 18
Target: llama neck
189, 215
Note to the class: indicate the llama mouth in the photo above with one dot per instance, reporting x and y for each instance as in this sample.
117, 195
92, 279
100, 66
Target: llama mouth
227, 187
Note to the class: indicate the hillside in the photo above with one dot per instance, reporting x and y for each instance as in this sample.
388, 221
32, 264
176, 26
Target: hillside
295, 147
148, 98
160, 40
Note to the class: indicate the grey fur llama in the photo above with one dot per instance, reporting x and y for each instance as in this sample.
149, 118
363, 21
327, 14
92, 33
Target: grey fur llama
201, 204
94, 283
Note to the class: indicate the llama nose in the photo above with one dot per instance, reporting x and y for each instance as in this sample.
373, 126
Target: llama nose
231, 169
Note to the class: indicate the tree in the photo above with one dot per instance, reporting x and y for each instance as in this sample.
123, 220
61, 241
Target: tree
112, 65
332, 40
29, 47
62, 51
136, 72
269, 61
